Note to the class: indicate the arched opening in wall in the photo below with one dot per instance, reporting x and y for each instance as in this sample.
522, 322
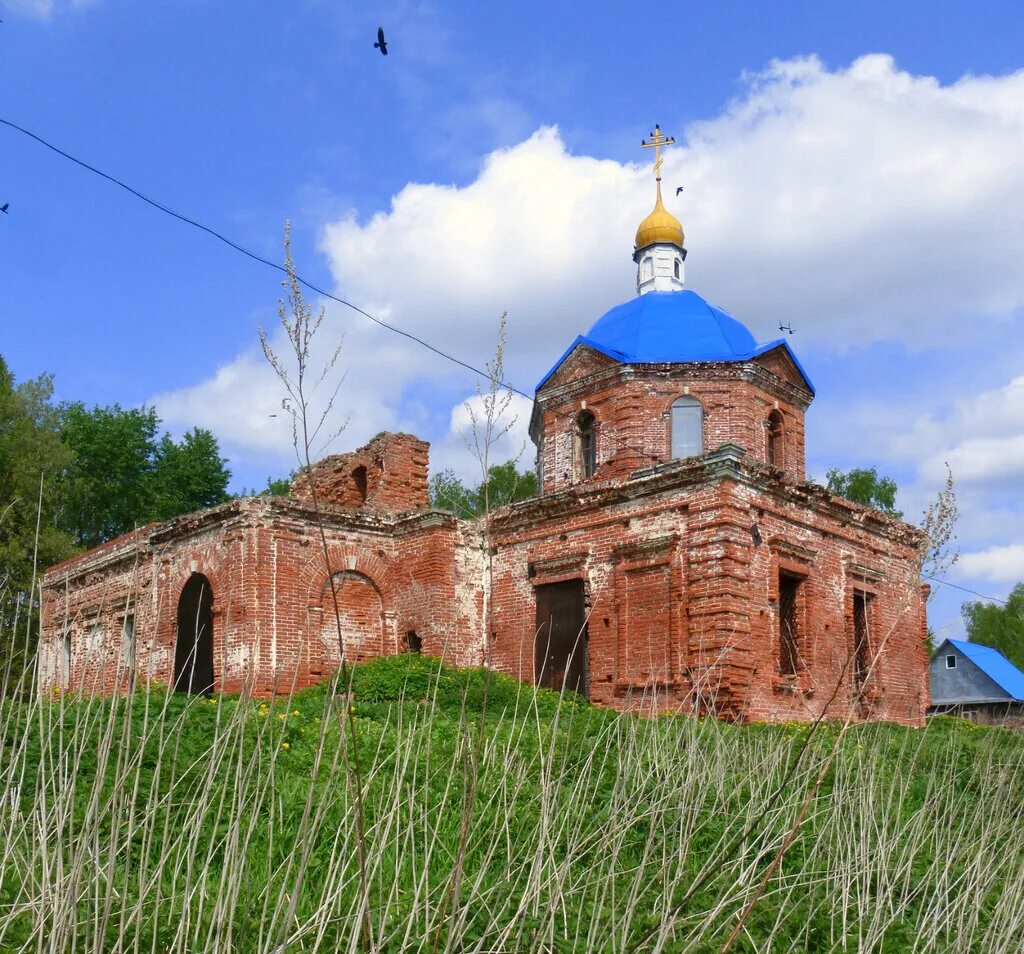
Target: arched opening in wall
687, 428
193, 645
413, 642
359, 479
776, 448
587, 427
360, 616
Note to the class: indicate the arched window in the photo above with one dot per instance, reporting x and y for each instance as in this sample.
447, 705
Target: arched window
359, 478
588, 444
776, 451
687, 428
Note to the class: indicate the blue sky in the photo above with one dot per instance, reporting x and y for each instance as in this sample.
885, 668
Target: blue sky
855, 170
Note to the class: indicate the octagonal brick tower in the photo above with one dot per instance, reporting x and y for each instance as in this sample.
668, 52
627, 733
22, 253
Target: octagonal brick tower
665, 376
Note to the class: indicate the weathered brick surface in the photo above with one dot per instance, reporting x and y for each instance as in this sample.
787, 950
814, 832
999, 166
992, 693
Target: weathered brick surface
680, 562
389, 473
632, 405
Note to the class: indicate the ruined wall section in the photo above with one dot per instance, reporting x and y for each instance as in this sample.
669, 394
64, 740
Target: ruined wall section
836, 550
388, 474
632, 405
681, 570
84, 644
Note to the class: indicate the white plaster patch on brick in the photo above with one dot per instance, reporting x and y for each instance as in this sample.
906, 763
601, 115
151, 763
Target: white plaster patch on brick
238, 661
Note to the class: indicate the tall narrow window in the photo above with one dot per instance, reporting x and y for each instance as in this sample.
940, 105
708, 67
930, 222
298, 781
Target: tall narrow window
676, 266
65, 658
588, 445
687, 428
789, 632
128, 640
861, 644
775, 448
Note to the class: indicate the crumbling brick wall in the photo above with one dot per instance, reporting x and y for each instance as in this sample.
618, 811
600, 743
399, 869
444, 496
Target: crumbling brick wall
632, 407
389, 473
680, 569
680, 566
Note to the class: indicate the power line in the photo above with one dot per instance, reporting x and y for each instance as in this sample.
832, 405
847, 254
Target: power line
993, 599
341, 301
280, 268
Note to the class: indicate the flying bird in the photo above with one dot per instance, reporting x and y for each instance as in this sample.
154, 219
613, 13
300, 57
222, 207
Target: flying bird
3, 208
679, 189
381, 43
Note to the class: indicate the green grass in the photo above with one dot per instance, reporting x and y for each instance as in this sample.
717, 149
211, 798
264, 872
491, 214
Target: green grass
165, 823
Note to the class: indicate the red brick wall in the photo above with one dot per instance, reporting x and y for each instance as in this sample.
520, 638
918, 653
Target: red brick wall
683, 602
273, 619
680, 565
389, 473
632, 405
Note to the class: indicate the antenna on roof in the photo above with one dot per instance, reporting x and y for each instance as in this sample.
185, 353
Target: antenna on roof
783, 327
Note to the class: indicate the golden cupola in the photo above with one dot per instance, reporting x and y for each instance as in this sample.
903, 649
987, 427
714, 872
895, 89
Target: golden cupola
660, 227
659, 252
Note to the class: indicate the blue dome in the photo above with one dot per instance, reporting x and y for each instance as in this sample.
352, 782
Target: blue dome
671, 326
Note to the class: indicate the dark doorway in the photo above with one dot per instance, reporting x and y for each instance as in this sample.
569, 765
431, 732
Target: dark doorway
861, 646
193, 647
560, 656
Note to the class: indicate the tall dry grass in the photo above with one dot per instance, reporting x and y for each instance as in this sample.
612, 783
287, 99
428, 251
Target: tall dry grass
161, 822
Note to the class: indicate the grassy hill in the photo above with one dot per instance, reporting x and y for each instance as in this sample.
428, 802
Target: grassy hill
167, 823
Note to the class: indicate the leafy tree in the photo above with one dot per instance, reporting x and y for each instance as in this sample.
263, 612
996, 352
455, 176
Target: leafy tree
123, 476
864, 486
998, 626
32, 461
505, 485
276, 487
109, 489
188, 475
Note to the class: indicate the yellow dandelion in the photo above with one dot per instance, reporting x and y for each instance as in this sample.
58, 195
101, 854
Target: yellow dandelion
296, 712
283, 716
285, 745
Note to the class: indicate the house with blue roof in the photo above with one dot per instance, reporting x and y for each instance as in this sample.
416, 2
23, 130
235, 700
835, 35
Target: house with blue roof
976, 682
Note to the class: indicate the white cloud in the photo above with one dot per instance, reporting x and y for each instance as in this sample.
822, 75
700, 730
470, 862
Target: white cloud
982, 438
999, 564
45, 9
861, 205
460, 451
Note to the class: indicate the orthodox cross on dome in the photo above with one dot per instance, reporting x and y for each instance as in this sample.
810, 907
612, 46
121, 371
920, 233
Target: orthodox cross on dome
659, 251
657, 140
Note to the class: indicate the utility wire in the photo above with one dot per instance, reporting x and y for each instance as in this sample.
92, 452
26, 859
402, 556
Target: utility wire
993, 599
341, 301
280, 268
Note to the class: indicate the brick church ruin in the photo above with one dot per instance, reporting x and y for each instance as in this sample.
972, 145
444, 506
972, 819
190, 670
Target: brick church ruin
674, 559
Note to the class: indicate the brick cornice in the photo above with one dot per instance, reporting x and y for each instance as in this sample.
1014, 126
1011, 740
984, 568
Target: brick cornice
728, 462
554, 396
